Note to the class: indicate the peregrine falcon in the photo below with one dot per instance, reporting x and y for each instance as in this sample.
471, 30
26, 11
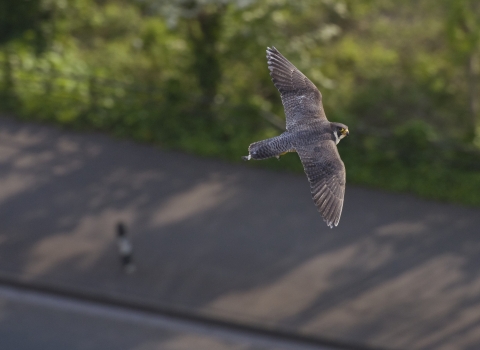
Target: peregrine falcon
310, 134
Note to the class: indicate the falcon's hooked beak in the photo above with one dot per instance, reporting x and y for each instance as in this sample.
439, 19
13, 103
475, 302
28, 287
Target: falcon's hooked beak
345, 132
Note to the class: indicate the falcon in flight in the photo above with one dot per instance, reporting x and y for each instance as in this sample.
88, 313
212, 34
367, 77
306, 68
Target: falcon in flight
308, 133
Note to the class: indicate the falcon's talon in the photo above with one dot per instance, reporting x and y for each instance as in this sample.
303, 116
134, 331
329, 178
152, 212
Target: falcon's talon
245, 158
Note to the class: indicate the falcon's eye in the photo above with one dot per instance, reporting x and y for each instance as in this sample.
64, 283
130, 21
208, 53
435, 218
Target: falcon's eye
342, 130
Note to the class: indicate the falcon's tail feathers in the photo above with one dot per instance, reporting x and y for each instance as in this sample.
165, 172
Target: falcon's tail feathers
269, 148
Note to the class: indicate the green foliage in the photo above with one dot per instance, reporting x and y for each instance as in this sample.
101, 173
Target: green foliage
191, 75
24, 20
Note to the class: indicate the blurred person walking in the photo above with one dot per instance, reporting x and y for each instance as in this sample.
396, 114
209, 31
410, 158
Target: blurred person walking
125, 249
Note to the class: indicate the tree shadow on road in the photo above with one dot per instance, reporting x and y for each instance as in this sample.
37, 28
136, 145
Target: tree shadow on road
237, 243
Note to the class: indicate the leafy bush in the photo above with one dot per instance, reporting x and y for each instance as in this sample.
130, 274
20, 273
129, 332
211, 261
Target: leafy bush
191, 76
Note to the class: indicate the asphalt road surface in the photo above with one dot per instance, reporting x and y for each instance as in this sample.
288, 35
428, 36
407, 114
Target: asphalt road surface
48, 322
235, 243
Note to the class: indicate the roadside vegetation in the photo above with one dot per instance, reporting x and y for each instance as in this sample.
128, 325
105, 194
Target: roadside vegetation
191, 75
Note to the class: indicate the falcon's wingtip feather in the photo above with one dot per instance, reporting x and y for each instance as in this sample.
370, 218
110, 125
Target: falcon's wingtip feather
332, 222
272, 50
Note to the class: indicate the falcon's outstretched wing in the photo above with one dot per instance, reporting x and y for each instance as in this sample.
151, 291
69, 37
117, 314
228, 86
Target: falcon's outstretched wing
300, 97
326, 173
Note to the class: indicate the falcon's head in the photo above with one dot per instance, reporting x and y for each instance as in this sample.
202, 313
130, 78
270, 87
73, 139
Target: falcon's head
339, 131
